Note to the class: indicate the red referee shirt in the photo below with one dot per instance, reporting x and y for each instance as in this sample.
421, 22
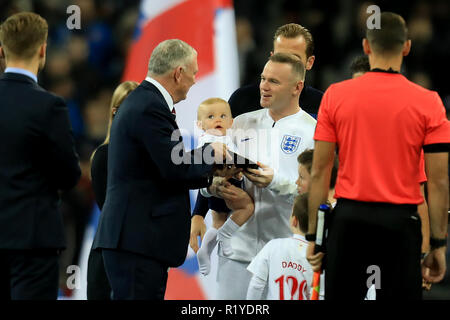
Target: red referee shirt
381, 121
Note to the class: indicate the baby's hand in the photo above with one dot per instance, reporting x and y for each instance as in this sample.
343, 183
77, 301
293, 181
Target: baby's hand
239, 176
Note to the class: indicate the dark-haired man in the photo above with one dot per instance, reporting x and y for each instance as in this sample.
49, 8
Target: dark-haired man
290, 38
381, 121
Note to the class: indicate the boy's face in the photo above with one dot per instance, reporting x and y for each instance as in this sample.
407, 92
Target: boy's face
303, 180
215, 118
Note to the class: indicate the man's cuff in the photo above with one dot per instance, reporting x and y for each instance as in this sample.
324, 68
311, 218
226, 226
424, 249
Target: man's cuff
204, 192
210, 180
272, 185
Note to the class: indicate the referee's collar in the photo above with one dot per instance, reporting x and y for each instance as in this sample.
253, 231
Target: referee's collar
390, 70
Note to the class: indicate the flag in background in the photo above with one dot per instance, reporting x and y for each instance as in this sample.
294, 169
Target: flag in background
206, 25
209, 27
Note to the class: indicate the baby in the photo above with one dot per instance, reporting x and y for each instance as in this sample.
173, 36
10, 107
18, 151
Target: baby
214, 118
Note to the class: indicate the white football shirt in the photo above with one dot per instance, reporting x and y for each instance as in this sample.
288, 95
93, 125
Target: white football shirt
282, 263
276, 144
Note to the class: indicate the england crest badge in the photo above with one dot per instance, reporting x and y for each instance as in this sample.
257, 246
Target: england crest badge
290, 143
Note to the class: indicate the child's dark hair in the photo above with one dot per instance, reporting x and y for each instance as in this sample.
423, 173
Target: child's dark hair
306, 158
300, 211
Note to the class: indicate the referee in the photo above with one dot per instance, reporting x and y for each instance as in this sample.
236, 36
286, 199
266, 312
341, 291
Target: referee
380, 122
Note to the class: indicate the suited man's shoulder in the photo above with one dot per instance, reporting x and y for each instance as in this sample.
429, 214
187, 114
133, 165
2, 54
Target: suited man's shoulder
245, 99
246, 90
145, 96
310, 99
313, 92
24, 87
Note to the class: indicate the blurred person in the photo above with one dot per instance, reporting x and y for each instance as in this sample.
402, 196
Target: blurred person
65, 87
359, 66
145, 221
96, 118
280, 269
59, 64
422, 79
98, 287
86, 78
246, 49
289, 38
38, 159
99, 36
214, 118
377, 191
2, 64
273, 137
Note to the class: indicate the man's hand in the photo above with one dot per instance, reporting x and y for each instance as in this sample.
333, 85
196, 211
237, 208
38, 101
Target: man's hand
235, 198
227, 171
315, 260
198, 228
217, 182
434, 265
221, 154
261, 177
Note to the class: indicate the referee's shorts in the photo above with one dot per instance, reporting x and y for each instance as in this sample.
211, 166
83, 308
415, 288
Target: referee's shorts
373, 244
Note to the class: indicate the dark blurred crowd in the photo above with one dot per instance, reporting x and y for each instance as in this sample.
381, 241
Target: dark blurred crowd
338, 28
84, 66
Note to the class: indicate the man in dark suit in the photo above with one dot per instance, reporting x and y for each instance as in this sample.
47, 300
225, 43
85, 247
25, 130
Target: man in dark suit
289, 38
37, 158
145, 221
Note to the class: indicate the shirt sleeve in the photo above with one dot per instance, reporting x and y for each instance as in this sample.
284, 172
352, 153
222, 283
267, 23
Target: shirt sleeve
256, 288
201, 206
422, 174
325, 128
437, 125
283, 187
204, 192
260, 264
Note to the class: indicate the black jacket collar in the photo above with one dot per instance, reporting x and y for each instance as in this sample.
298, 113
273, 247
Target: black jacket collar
17, 77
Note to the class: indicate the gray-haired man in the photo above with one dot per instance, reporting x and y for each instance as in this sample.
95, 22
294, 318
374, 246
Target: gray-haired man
145, 221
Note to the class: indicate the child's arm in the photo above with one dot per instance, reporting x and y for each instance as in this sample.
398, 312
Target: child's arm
201, 206
198, 227
256, 288
259, 267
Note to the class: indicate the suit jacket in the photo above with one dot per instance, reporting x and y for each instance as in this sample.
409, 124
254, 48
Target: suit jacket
99, 173
247, 99
147, 206
37, 158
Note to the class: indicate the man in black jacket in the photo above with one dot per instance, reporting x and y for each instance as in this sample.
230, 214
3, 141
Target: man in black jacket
289, 38
37, 158
145, 221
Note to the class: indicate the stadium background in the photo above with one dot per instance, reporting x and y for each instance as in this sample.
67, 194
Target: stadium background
85, 65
